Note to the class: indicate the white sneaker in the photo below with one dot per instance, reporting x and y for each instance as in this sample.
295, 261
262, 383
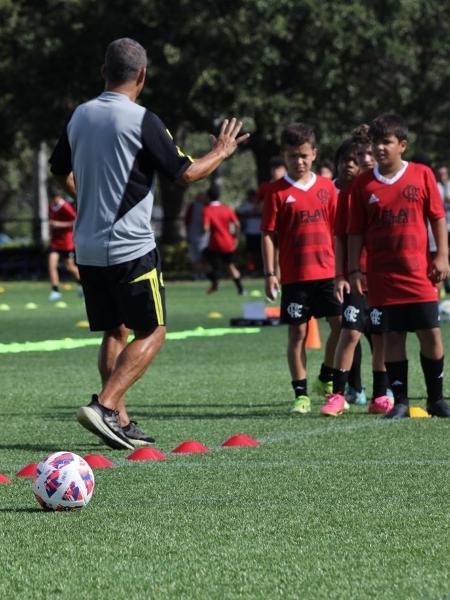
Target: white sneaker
54, 295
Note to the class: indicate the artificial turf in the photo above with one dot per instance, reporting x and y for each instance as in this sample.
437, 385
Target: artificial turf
353, 507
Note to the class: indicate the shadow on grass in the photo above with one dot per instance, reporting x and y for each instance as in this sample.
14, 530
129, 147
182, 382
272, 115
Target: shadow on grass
23, 510
46, 449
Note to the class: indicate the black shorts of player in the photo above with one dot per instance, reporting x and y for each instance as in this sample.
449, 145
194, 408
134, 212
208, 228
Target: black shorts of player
404, 317
216, 259
355, 313
130, 293
302, 300
64, 254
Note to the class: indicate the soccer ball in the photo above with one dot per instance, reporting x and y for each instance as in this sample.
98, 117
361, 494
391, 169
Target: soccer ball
64, 481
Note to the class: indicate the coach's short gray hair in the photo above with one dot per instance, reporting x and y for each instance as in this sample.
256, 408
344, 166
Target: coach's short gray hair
124, 59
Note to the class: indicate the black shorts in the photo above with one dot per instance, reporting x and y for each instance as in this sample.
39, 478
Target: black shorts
131, 293
303, 300
215, 259
404, 317
64, 254
355, 313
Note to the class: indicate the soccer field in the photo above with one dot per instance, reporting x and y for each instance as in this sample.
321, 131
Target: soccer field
353, 507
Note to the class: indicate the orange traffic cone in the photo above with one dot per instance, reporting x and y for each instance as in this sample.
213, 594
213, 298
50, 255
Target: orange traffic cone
313, 335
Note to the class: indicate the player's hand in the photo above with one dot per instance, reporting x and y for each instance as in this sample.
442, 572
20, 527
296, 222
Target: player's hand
357, 282
439, 269
341, 287
272, 287
227, 141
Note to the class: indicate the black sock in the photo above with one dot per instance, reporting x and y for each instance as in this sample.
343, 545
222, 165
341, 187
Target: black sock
380, 383
326, 373
433, 370
213, 279
354, 375
340, 378
300, 387
55, 288
398, 380
238, 284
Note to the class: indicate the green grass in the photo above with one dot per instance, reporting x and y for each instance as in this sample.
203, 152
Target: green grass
354, 507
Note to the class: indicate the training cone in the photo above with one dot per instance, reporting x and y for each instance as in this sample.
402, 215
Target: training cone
240, 440
98, 461
4, 479
272, 312
416, 412
27, 471
83, 324
215, 315
190, 447
313, 337
147, 454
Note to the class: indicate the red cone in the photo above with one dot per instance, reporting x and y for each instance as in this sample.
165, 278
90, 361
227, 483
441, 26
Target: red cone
4, 479
240, 440
27, 471
190, 447
147, 454
98, 461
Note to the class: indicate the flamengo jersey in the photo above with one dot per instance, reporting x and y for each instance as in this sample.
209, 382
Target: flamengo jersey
341, 224
302, 215
219, 219
114, 148
62, 239
392, 214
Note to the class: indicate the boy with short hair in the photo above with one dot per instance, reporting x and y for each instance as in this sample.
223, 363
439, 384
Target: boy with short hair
390, 207
351, 158
298, 218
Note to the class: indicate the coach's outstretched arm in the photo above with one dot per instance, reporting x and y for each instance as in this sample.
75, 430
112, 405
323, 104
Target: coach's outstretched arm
222, 147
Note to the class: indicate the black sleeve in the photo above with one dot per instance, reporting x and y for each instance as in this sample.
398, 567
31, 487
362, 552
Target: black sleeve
165, 154
61, 158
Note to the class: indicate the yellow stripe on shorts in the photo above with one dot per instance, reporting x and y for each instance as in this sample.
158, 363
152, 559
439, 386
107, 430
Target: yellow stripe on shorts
152, 278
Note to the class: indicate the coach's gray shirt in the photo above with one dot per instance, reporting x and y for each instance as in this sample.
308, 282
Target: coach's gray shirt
114, 148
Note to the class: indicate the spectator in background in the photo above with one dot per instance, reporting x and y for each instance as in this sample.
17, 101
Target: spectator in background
221, 223
250, 216
277, 171
326, 169
196, 237
61, 217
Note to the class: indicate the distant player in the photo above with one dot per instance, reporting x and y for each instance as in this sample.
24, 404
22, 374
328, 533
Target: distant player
355, 314
298, 219
61, 217
390, 207
221, 224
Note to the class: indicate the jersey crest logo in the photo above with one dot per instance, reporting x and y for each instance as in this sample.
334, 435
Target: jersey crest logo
373, 199
290, 199
295, 310
411, 193
323, 195
375, 316
351, 314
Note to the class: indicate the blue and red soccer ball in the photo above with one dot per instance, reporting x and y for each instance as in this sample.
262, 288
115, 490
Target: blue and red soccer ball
64, 481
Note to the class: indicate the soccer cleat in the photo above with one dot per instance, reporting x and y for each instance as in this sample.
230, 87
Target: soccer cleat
104, 423
334, 406
399, 411
54, 296
302, 405
322, 388
380, 405
439, 409
136, 436
354, 397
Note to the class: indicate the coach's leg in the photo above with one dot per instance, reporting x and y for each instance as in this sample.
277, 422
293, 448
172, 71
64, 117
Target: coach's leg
131, 364
113, 343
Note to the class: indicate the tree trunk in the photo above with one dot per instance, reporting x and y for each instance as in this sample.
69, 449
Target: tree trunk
172, 197
263, 149
40, 197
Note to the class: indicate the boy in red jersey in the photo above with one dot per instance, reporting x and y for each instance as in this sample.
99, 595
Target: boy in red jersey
390, 208
221, 223
352, 158
298, 219
61, 217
